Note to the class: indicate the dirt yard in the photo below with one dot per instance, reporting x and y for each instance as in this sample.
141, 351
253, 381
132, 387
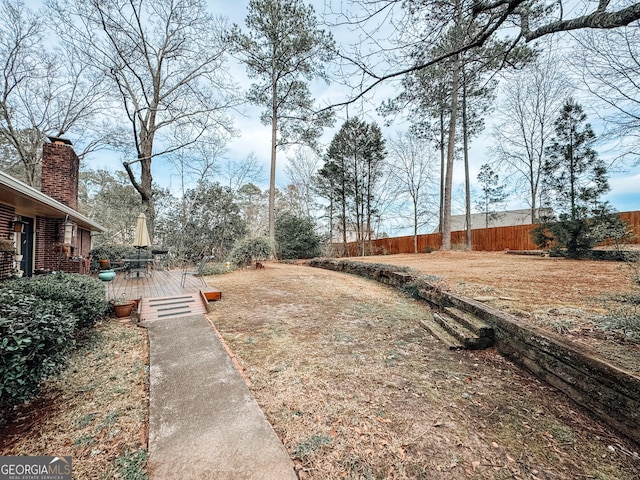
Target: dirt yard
521, 282
570, 297
96, 411
356, 389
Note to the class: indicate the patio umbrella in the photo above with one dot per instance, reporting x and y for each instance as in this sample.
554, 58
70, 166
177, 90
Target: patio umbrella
141, 239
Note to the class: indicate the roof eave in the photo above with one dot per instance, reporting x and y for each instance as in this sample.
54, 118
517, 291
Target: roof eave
22, 189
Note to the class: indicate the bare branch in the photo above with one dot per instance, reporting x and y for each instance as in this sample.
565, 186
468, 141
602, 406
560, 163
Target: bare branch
598, 20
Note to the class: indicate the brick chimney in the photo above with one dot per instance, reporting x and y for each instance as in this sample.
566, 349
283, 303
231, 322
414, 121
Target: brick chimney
60, 171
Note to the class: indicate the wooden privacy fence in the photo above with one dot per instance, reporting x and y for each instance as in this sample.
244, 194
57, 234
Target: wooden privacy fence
517, 237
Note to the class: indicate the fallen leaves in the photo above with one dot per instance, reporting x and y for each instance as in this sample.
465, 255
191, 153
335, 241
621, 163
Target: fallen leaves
95, 411
402, 419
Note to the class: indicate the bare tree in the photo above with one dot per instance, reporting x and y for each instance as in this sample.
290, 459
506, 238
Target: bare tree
166, 64
519, 21
462, 88
609, 63
237, 173
400, 36
414, 168
253, 203
530, 103
301, 168
197, 162
42, 93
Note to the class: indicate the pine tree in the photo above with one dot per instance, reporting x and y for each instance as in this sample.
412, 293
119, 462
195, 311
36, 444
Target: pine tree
492, 193
353, 168
574, 179
284, 50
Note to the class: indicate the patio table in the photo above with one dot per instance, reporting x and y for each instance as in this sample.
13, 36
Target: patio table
138, 266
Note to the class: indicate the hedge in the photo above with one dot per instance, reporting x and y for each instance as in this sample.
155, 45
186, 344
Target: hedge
36, 335
83, 296
39, 317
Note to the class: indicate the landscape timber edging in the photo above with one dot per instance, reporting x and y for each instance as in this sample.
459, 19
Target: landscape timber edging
610, 393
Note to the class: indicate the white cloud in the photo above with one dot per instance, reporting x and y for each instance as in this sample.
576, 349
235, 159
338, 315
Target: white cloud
625, 185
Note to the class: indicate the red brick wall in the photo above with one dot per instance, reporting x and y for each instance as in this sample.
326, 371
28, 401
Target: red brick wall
60, 170
52, 255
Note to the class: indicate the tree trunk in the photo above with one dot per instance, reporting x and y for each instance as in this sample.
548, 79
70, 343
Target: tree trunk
442, 170
451, 152
272, 175
144, 185
344, 219
368, 202
146, 193
534, 218
465, 141
415, 226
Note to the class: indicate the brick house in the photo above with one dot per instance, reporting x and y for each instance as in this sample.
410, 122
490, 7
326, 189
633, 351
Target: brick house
44, 226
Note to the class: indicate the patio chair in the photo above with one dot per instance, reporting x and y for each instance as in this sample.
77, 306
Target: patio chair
197, 272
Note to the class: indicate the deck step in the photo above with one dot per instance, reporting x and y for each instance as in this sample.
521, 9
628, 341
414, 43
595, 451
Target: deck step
462, 334
158, 300
181, 313
211, 294
175, 306
441, 334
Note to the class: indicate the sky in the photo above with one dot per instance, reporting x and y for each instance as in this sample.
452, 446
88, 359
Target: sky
254, 137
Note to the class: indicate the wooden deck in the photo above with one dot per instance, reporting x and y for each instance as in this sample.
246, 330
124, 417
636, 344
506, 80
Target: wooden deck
162, 283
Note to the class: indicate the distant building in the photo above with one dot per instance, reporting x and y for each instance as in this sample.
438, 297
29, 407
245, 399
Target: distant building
352, 233
507, 218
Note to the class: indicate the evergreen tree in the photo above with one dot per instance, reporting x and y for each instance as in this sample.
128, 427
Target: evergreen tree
284, 50
334, 183
492, 193
296, 237
574, 179
354, 167
214, 223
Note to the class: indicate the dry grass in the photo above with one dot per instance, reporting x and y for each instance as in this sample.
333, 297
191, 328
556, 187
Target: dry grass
356, 389
524, 283
351, 383
570, 297
96, 411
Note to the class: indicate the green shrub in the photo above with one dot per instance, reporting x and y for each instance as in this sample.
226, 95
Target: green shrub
251, 249
81, 295
576, 237
36, 335
217, 268
113, 253
296, 237
541, 236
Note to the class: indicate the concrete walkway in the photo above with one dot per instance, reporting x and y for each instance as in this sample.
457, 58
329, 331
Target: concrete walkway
204, 423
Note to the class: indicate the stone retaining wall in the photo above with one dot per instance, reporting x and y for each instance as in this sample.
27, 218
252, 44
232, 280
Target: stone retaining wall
608, 392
